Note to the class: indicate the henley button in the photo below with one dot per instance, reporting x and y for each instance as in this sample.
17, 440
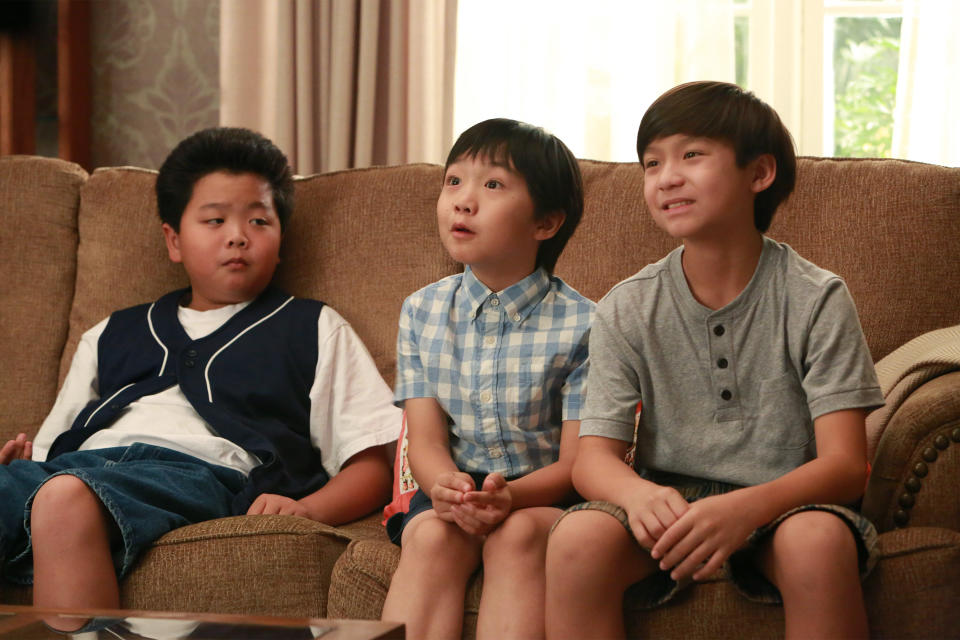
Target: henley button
495, 302
485, 396
489, 341
192, 353
718, 330
725, 394
190, 363
722, 363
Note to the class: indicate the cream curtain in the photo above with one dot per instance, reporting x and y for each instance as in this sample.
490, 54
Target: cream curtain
341, 83
586, 71
927, 115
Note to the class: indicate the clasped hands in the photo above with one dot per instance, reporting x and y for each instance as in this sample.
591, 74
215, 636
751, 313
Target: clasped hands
689, 539
455, 499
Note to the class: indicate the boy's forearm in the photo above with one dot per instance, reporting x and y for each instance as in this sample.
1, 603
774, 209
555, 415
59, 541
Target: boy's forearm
363, 485
599, 472
428, 461
549, 485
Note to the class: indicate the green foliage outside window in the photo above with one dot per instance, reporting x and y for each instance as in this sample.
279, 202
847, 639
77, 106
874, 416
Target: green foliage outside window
866, 55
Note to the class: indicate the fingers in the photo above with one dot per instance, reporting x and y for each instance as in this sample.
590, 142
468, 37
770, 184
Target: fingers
17, 449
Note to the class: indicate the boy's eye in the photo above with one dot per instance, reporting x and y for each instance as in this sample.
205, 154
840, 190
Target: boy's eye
214, 221
649, 164
453, 180
262, 222
690, 154
493, 184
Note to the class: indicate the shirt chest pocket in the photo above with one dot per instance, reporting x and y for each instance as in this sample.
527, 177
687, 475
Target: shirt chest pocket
533, 389
782, 415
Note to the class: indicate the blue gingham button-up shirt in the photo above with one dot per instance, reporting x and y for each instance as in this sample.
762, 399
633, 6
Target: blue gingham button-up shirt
507, 367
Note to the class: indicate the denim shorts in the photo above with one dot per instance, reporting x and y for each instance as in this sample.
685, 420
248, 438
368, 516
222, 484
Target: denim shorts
742, 566
148, 491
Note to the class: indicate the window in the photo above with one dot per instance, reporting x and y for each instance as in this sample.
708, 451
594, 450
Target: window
828, 66
588, 72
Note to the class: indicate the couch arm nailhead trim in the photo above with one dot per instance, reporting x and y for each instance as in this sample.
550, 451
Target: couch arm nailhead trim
912, 485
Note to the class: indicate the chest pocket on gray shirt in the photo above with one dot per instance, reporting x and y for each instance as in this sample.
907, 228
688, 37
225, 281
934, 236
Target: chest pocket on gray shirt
783, 418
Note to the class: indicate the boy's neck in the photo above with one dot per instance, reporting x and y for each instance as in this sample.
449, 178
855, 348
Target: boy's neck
719, 272
498, 281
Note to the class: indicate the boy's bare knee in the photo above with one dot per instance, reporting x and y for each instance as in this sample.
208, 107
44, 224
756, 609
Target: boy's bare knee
435, 541
61, 498
813, 534
809, 551
520, 533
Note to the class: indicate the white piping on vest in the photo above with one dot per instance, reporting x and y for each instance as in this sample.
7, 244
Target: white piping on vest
155, 337
103, 404
206, 370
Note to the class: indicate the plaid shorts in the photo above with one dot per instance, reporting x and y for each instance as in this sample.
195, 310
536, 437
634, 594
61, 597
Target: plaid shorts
741, 567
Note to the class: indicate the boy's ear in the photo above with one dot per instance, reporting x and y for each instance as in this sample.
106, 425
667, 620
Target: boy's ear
764, 172
172, 239
548, 225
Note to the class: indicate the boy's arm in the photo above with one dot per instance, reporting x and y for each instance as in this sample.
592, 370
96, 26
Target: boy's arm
715, 527
79, 387
552, 484
428, 451
362, 486
600, 473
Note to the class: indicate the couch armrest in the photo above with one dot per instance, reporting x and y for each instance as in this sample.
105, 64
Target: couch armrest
917, 464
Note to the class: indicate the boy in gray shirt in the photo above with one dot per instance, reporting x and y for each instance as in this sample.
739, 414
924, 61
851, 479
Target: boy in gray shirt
754, 379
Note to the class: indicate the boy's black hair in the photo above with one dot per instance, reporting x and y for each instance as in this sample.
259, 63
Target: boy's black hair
724, 111
230, 149
549, 168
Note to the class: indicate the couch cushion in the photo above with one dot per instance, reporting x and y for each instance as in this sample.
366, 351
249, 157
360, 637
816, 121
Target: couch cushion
122, 259
362, 240
911, 593
885, 226
38, 207
277, 565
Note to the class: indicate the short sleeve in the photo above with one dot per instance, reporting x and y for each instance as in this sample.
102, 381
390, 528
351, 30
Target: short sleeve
351, 405
612, 382
411, 380
838, 370
79, 388
575, 386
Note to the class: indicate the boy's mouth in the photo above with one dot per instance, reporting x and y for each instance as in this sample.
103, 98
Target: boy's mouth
235, 263
461, 230
673, 204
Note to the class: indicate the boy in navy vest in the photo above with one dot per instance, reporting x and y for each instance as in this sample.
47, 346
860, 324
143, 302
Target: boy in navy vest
224, 398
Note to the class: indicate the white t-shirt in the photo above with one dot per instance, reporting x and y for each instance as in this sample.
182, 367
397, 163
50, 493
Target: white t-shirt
351, 406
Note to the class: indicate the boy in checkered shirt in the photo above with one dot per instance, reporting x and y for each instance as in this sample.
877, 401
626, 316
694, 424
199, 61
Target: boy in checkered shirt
491, 367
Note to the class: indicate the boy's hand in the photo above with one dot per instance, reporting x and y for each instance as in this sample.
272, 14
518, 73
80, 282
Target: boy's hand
703, 538
482, 511
17, 449
271, 503
449, 489
653, 512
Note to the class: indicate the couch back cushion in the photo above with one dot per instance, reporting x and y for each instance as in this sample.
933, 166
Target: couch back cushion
360, 240
890, 228
38, 207
364, 239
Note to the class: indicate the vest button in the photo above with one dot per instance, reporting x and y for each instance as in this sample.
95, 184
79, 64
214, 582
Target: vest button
190, 363
192, 353
725, 394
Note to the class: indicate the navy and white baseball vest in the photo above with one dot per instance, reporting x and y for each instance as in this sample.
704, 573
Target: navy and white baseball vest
249, 380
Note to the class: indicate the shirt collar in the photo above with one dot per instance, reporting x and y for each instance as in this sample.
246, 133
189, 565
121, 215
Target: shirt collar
518, 300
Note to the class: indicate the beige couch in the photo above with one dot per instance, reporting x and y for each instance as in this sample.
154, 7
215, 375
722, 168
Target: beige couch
74, 247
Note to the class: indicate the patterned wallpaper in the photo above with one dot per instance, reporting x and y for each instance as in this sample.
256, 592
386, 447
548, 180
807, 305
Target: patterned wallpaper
156, 77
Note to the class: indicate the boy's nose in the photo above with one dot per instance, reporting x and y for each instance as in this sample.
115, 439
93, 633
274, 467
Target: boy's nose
669, 176
237, 238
